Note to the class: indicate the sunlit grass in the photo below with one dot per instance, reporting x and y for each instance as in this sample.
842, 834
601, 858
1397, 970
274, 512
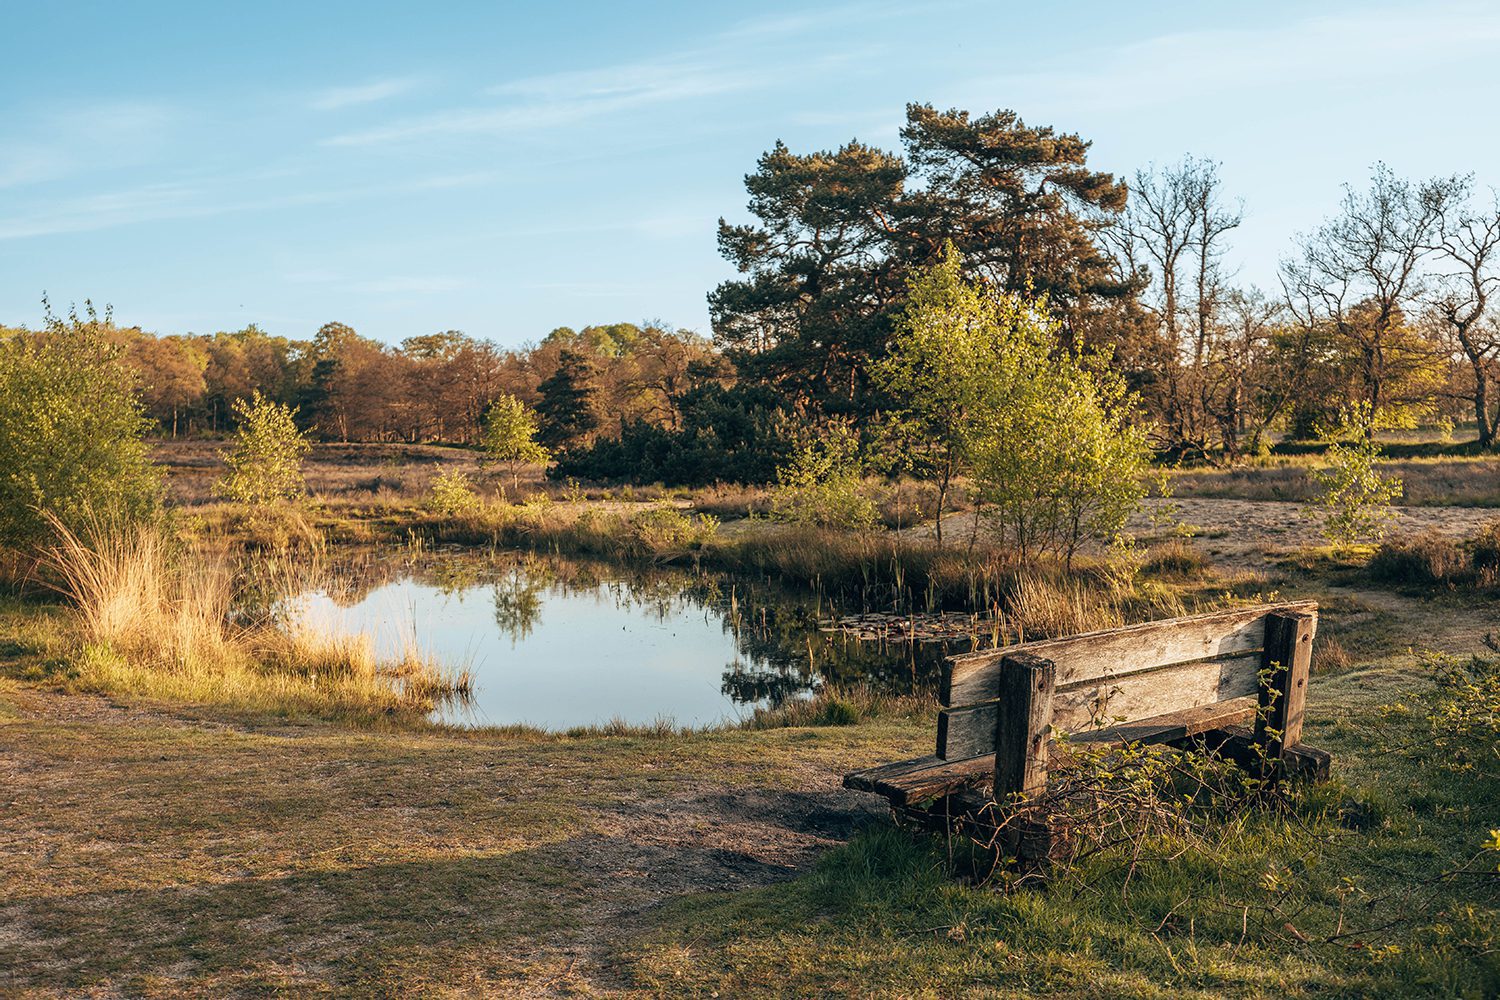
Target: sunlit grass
159, 621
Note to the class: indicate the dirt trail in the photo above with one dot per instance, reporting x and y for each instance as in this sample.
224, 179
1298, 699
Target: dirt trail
1226, 527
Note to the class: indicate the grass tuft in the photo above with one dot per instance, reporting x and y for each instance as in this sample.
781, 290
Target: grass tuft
162, 622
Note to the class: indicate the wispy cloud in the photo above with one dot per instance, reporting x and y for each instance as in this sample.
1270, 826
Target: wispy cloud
335, 98
189, 200
1373, 43
25, 164
54, 142
566, 98
752, 56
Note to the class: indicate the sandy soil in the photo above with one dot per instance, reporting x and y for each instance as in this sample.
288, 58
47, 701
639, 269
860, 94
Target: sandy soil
1225, 528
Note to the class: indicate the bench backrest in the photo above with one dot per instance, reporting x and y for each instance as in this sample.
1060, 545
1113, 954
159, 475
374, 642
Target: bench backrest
1134, 673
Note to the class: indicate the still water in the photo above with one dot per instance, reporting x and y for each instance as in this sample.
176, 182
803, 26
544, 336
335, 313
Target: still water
558, 644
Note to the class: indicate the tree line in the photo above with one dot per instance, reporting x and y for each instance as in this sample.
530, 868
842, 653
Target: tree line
1382, 316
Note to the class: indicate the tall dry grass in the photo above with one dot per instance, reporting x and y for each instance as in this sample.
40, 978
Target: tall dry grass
160, 621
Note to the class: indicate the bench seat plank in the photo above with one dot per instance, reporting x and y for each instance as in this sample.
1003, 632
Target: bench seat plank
911, 782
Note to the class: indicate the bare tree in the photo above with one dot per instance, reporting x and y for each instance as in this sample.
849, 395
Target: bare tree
1361, 272
1468, 252
1255, 389
1175, 227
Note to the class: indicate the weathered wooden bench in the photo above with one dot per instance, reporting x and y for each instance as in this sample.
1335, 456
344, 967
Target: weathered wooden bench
1233, 682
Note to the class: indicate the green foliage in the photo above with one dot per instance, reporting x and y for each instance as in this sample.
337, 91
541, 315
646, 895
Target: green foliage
735, 435
452, 495
1060, 463
71, 433
1353, 497
823, 485
983, 378
510, 435
665, 528
570, 400
265, 465
948, 354
836, 232
1465, 713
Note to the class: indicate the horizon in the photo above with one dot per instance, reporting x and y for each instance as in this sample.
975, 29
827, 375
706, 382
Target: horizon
569, 167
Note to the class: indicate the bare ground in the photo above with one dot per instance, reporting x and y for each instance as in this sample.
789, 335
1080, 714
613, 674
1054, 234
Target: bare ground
207, 859
152, 850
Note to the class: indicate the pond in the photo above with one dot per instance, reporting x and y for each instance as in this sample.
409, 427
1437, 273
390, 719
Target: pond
559, 644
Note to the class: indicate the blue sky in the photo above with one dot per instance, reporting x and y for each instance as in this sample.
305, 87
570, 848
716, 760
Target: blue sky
505, 168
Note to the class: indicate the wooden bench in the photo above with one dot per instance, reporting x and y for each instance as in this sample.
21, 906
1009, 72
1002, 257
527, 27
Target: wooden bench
1232, 681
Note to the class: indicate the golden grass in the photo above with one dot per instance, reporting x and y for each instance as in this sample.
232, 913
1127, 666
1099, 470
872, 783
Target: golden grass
161, 622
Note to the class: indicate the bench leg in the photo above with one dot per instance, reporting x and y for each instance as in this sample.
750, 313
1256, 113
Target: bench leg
1283, 681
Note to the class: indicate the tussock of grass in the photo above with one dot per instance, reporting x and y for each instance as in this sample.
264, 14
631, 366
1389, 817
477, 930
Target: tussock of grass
839, 706
1434, 560
160, 622
1175, 558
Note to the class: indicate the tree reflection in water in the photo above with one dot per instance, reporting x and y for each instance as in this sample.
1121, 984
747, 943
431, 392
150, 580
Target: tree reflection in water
782, 653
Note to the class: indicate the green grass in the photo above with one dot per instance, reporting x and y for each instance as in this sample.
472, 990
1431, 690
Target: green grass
155, 848
151, 851
1366, 886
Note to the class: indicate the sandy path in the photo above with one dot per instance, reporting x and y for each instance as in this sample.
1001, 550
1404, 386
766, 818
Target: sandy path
1256, 528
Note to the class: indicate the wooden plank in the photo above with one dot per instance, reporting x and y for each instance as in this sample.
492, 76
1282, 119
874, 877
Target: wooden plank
966, 728
1024, 725
1283, 693
1177, 688
967, 732
972, 678
911, 782
1169, 693
1173, 725
1237, 743
925, 778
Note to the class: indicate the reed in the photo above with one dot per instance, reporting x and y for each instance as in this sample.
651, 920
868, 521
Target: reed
158, 621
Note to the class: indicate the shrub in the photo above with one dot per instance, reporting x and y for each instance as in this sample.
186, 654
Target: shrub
1059, 463
663, 528
727, 435
824, 485
265, 465
1425, 559
1484, 550
1354, 497
452, 495
985, 383
71, 434
1465, 713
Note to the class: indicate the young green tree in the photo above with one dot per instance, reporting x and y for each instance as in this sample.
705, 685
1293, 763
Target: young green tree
71, 433
823, 485
948, 350
1058, 462
1353, 498
265, 464
510, 436
985, 380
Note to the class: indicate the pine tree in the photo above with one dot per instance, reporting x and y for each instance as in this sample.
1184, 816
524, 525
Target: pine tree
569, 405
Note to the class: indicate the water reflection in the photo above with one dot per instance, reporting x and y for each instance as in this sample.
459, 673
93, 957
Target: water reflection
560, 643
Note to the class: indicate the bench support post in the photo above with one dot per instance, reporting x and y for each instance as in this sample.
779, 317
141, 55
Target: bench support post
1022, 730
1283, 687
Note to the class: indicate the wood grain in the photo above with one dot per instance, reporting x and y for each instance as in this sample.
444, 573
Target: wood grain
1083, 706
973, 678
1023, 725
1287, 663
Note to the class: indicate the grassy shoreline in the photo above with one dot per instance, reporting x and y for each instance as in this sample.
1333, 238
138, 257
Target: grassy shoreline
164, 844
